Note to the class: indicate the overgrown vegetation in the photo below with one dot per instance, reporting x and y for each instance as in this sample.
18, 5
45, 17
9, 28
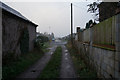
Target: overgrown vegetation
45, 47
41, 40
13, 68
52, 69
82, 69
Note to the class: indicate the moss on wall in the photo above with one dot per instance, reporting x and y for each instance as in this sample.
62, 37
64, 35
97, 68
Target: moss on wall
24, 41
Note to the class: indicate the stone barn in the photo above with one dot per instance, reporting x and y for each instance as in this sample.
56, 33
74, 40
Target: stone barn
18, 33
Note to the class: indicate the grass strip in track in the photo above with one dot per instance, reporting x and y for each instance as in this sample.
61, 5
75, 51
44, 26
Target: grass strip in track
82, 69
52, 69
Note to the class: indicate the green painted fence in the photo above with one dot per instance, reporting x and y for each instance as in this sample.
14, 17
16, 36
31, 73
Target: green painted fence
102, 33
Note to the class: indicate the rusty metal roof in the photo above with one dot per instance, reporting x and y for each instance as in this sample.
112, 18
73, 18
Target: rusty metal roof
13, 11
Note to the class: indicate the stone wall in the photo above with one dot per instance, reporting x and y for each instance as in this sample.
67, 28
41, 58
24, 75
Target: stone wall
12, 27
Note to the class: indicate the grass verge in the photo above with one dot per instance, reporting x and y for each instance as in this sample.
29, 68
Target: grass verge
52, 69
82, 69
15, 67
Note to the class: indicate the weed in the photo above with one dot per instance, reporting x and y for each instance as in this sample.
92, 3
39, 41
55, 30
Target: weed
82, 69
13, 68
52, 69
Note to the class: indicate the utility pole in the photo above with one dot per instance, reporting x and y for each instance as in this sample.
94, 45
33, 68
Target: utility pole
71, 25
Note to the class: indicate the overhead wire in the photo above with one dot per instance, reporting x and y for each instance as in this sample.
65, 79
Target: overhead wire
80, 7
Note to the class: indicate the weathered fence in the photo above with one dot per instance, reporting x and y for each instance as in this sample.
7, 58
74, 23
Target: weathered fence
86, 35
104, 59
102, 33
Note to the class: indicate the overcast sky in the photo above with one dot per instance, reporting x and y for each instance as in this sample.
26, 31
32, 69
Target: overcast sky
53, 16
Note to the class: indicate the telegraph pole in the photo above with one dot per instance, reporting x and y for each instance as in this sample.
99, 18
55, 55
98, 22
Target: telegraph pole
71, 25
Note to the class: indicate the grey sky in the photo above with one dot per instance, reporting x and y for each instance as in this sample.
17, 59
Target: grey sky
53, 16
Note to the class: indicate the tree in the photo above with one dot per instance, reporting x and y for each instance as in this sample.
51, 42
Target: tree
40, 41
93, 8
89, 24
107, 10
103, 10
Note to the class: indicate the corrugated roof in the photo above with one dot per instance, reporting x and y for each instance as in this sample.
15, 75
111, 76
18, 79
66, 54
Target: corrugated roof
13, 11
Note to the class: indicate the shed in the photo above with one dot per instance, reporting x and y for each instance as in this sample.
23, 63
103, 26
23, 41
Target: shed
18, 33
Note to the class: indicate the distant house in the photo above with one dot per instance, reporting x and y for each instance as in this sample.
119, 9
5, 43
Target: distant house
18, 33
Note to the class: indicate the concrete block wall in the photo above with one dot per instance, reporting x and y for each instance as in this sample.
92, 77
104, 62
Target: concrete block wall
101, 60
104, 59
117, 41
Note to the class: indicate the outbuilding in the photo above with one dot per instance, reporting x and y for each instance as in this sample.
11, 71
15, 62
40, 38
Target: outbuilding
18, 33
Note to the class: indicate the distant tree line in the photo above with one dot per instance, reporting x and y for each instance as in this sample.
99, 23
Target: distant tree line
43, 38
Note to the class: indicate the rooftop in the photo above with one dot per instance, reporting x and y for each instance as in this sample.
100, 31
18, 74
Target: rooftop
14, 12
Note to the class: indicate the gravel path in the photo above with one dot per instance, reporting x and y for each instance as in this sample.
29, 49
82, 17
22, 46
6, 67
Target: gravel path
67, 69
34, 71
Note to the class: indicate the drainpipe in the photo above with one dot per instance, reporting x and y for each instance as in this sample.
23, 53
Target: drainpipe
117, 46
